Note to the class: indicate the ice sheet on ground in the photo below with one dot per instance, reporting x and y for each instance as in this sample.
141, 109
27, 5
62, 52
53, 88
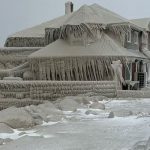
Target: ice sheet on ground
16, 134
48, 123
94, 131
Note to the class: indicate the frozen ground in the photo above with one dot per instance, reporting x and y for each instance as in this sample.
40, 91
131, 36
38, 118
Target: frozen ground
89, 132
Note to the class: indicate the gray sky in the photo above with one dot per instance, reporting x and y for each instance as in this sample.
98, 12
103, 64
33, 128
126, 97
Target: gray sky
16, 15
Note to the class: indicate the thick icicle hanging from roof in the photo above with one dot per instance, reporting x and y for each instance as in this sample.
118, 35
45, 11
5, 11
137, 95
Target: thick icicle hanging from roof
77, 68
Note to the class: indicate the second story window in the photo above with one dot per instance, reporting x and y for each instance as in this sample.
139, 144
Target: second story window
129, 36
136, 37
145, 40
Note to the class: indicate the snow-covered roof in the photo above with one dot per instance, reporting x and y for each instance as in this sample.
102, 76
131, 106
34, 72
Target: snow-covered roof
108, 16
85, 14
106, 46
94, 14
39, 30
142, 22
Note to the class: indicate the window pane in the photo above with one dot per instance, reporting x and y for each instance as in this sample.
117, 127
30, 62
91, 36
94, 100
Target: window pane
129, 36
136, 37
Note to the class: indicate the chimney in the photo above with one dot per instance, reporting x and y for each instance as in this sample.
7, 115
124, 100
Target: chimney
68, 7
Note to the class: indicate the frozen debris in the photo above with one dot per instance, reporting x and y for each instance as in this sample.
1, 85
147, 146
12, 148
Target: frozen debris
97, 106
30, 116
89, 112
4, 128
68, 105
99, 98
111, 115
143, 115
123, 113
16, 118
52, 113
22, 133
83, 100
37, 114
45, 112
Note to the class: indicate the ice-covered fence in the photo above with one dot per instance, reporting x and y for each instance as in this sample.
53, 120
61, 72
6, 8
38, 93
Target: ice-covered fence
133, 94
56, 89
50, 90
15, 89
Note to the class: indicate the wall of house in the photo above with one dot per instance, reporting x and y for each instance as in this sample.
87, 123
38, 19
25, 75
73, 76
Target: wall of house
51, 35
132, 44
25, 42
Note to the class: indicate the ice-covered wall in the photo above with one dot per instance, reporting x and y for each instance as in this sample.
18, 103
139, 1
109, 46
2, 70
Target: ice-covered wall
50, 90
133, 94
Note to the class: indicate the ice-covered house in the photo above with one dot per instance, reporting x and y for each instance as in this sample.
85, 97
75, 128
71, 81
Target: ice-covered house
79, 47
89, 39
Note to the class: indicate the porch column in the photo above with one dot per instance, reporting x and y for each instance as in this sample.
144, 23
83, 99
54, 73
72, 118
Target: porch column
148, 71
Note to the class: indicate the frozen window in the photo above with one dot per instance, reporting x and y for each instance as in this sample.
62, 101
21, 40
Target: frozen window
129, 36
136, 37
145, 40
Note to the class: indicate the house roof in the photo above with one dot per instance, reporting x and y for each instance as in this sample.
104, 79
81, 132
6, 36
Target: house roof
106, 46
143, 23
39, 30
107, 15
85, 14
94, 14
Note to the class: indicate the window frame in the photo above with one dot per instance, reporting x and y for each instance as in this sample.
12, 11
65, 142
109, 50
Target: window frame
145, 40
129, 36
136, 37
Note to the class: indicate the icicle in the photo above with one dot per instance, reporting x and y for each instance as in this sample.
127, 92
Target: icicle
84, 70
97, 71
88, 71
93, 69
68, 70
48, 70
52, 68
80, 69
75, 68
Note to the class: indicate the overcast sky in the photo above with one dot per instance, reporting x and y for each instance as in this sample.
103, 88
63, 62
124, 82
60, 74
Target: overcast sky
16, 15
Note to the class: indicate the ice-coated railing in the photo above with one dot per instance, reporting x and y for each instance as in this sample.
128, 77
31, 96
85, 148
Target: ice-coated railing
50, 90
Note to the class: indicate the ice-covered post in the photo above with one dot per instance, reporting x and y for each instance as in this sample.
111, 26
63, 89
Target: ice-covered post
117, 67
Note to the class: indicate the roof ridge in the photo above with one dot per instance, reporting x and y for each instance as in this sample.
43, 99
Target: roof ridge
141, 18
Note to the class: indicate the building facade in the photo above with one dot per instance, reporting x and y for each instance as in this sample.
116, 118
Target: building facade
80, 46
